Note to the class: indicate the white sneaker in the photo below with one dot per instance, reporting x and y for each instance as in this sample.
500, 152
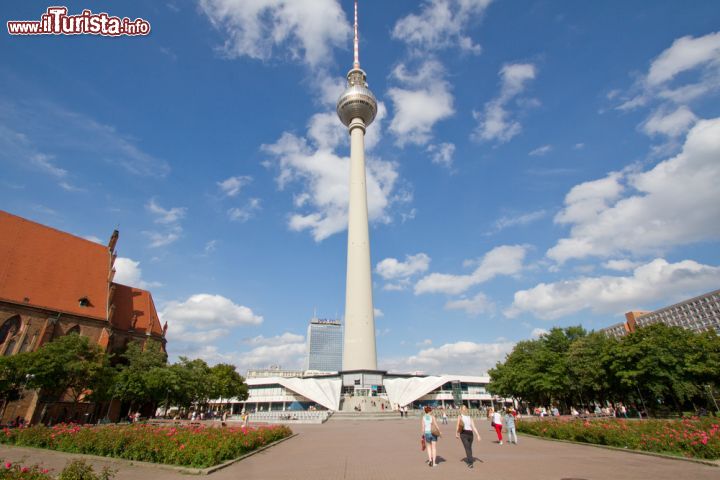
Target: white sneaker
500, 442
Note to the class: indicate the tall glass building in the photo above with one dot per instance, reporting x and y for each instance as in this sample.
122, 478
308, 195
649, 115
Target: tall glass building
324, 345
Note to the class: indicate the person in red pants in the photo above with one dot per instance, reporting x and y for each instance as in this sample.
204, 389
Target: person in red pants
498, 424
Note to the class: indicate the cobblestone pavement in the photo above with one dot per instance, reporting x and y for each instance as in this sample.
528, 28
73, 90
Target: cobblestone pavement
390, 449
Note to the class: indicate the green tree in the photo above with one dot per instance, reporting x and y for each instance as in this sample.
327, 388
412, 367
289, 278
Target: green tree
702, 364
652, 360
227, 382
141, 374
588, 366
67, 364
189, 382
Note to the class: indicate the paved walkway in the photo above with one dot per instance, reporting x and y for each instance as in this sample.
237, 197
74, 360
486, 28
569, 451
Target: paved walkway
390, 449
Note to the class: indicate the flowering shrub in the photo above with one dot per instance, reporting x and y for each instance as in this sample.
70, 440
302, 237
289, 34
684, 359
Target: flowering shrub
10, 471
693, 437
194, 446
81, 470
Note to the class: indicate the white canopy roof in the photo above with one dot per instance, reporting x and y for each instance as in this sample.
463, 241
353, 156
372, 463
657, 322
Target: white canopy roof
324, 391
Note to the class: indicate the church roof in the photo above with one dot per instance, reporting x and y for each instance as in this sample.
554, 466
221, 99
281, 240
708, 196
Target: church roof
44, 267
135, 310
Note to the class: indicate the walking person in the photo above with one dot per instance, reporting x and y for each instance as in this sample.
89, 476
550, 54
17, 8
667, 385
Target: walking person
431, 431
510, 425
497, 424
444, 416
464, 431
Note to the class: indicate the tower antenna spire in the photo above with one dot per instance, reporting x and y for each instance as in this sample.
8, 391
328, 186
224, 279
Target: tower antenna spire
356, 63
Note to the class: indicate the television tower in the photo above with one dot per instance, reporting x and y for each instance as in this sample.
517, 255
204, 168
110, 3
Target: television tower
357, 108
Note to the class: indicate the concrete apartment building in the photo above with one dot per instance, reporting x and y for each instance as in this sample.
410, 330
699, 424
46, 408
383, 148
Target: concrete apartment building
699, 314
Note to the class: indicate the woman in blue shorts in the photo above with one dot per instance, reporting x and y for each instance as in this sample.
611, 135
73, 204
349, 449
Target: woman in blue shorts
428, 423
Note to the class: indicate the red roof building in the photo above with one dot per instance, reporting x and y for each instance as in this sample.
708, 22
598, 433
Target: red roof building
53, 283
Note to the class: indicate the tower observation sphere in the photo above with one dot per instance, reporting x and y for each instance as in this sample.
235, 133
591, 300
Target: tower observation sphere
357, 101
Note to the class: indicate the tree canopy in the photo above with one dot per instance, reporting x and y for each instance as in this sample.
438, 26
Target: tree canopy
74, 365
667, 367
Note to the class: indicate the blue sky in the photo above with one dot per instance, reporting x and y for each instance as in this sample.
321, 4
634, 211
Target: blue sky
533, 164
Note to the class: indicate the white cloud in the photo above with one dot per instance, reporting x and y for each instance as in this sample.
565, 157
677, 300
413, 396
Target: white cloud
165, 216
683, 73
538, 332
441, 24
288, 355
231, 186
204, 310
31, 129
654, 281
424, 101
686, 53
170, 218
163, 239
392, 269
36, 131
503, 260
304, 30
128, 272
210, 247
506, 222
286, 351
677, 202
671, 124
494, 123
622, 265
442, 154
203, 317
283, 339
378, 313
468, 358
425, 343
95, 239
245, 213
324, 176
476, 305
44, 163
541, 151
397, 286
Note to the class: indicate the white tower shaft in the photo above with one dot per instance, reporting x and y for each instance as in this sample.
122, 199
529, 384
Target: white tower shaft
359, 351
357, 108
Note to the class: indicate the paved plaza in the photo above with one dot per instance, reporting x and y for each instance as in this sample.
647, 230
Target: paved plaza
390, 449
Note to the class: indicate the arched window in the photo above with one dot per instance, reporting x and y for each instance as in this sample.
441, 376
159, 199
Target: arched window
10, 328
28, 343
75, 330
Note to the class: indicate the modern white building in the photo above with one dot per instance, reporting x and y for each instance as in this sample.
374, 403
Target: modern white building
329, 393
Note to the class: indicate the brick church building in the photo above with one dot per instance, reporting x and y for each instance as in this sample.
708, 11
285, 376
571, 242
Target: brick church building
52, 284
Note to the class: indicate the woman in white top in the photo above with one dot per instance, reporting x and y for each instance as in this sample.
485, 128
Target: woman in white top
498, 424
428, 424
464, 431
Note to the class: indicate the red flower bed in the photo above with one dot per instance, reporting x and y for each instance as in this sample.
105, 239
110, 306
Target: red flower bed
693, 437
11, 471
199, 447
